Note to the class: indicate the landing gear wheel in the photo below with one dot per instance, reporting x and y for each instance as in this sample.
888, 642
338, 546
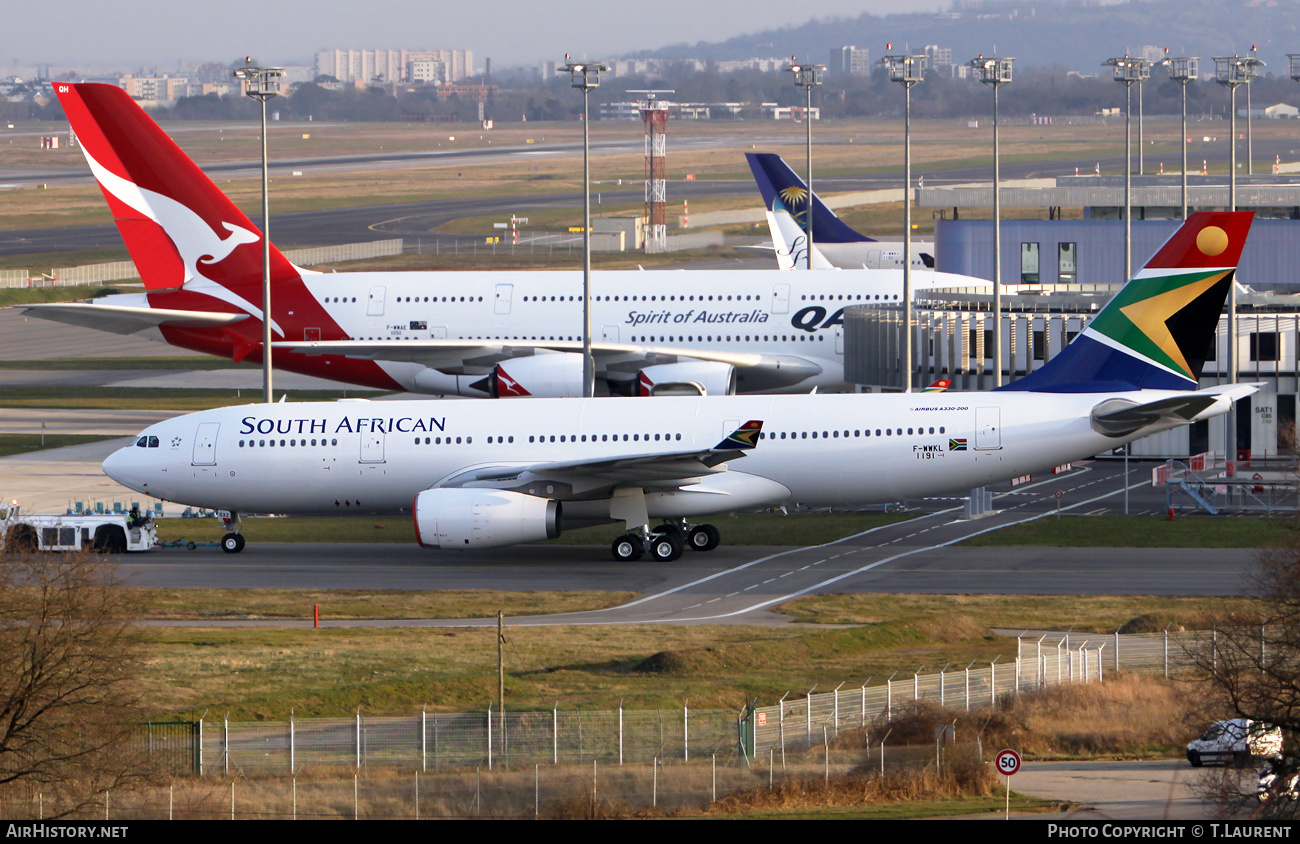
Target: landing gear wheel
232, 543
628, 548
666, 547
703, 538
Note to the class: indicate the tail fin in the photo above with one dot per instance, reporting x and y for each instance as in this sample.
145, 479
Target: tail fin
782, 188
1156, 332
791, 243
176, 223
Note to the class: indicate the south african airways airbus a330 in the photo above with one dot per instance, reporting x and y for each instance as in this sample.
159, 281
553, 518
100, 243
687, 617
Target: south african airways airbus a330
476, 334
481, 474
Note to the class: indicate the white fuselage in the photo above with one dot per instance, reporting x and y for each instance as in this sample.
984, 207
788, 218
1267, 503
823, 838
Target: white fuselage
797, 315
356, 456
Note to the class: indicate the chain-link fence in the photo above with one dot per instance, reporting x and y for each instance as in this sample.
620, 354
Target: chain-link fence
595, 788
432, 742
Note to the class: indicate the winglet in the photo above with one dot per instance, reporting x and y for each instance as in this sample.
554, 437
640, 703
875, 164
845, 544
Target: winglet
745, 437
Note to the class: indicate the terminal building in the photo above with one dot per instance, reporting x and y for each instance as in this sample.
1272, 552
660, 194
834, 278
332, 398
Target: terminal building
1061, 272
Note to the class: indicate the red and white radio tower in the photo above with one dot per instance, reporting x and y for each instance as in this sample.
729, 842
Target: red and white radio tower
655, 117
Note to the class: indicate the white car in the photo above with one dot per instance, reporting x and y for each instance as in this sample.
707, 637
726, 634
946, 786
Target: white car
1235, 742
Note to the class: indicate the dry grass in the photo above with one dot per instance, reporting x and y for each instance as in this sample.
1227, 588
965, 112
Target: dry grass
1127, 716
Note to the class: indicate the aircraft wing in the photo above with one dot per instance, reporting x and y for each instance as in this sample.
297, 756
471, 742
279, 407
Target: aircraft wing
470, 357
122, 319
669, 469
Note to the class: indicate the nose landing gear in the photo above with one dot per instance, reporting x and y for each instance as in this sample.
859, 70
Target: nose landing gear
233, 541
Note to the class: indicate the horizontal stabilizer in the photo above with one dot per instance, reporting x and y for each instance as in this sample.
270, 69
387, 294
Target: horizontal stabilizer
1121, 417
122, 319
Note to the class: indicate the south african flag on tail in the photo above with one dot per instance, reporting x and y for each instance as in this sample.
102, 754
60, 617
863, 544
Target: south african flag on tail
1156, 332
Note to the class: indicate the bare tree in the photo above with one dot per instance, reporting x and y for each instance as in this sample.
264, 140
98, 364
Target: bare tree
1252, 662
69, 658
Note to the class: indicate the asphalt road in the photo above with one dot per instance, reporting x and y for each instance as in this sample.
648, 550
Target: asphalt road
739, 583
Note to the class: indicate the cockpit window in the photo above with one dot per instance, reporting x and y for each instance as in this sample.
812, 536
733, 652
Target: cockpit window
142, 442
153, 442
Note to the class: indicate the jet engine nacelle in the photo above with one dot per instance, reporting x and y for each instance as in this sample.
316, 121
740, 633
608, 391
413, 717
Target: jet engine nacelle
716, 379
483, 518
557, 376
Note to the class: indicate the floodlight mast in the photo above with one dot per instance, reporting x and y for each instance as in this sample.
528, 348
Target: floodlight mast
263, 83
1183, 69
996, 72
1232, 72
585, 76
808, 76
1129, 71
908, 71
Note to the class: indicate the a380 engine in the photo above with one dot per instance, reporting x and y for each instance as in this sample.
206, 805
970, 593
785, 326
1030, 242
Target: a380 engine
483, 518
717, 379
557, 375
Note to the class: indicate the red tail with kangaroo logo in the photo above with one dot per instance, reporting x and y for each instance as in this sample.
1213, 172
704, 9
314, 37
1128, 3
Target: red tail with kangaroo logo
177, 225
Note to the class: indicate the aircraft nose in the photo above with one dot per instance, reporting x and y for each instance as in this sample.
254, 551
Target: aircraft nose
120, 467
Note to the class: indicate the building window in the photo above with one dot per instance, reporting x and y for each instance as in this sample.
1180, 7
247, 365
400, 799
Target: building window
973, 338
1040, 345
1264, 346
1028, 263
1067, 263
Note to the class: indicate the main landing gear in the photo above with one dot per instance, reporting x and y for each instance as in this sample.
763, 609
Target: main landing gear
233, 541
664, 543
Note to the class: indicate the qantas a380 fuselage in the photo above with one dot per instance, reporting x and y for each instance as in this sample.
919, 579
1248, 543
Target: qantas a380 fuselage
777, 332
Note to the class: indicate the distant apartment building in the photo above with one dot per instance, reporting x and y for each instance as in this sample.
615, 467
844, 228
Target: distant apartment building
762, 65
162, 88
390, 66
850, 61
939, 59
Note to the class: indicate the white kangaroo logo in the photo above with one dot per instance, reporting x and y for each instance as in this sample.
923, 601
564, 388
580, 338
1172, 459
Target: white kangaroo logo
195, 240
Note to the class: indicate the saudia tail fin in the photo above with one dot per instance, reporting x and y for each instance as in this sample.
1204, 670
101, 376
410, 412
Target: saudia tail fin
782, 188
177, 225
1156, 332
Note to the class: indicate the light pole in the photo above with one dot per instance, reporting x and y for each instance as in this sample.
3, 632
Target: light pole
995, 73
585, 76
1232, 72
1183, 70
808, 76
263, 83
908, 71
1129, 71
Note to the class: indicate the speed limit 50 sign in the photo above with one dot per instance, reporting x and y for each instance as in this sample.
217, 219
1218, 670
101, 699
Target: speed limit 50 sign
1008, 762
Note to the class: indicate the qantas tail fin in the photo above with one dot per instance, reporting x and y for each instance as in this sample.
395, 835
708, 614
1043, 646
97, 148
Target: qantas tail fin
782, 188
177, 225
1156, 332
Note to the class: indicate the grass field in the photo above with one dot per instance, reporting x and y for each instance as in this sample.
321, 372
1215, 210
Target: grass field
26, 443
264, 673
